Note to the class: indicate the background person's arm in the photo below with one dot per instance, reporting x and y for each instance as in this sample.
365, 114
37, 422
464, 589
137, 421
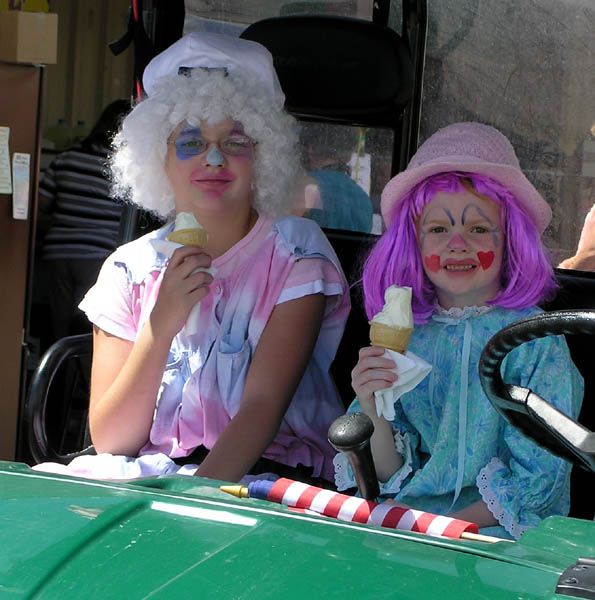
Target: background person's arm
584, 259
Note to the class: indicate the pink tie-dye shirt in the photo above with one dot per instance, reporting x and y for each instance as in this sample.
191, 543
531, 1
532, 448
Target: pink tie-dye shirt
203, 382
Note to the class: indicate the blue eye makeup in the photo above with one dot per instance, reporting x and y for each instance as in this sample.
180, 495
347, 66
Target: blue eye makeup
189, 142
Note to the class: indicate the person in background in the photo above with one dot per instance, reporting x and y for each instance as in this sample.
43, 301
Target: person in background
330, 196
83, 218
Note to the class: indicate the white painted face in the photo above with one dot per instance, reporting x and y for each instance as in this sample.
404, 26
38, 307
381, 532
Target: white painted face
462, 246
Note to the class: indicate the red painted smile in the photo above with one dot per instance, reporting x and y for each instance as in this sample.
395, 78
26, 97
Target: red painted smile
434, 265
463, 265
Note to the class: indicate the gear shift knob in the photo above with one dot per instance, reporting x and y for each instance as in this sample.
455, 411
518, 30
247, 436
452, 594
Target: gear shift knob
351, 435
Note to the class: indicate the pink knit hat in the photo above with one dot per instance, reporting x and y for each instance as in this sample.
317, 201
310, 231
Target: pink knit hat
468, 148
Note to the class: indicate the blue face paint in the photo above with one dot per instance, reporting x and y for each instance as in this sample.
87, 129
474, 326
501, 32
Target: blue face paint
214, 157
189, 143
480, 212
449, 215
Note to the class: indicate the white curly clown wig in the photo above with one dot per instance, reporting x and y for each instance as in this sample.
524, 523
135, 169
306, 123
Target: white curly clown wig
138, 162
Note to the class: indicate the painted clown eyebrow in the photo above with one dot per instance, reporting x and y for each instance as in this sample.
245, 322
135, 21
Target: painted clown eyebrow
465, 217
430, 218
480, 212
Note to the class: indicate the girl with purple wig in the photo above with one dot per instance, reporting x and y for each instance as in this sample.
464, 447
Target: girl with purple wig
464, 229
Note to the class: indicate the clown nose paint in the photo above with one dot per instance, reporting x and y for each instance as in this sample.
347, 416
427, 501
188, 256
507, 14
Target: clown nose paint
214, 157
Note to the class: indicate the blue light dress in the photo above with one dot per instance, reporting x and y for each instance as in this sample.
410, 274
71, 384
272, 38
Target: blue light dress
456, 448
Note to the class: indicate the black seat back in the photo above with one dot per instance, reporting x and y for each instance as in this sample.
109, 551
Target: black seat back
350, 71
352, 248
338, 68
57, 404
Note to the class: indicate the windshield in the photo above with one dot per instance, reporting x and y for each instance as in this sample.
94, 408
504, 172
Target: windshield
528, 68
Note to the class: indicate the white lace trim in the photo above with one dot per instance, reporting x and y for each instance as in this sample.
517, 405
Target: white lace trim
345, 479
483, 482
394, 484
343, 474
461, 313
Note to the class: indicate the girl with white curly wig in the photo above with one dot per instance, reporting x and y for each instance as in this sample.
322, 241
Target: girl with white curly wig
214, 358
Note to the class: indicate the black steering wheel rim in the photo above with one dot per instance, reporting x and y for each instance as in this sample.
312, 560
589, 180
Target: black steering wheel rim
525, 409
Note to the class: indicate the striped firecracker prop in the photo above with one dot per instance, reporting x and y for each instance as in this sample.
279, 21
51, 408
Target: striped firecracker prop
301, 496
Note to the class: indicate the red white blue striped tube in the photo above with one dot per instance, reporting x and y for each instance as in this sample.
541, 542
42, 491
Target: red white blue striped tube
349, 508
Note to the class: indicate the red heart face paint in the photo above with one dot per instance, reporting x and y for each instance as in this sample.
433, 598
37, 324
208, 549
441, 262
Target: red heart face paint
433, 263
485, 259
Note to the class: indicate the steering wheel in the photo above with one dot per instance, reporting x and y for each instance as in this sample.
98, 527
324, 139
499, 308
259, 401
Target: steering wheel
522, 407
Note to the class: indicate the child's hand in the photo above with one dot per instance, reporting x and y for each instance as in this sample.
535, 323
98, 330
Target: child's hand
182, 287
372, 373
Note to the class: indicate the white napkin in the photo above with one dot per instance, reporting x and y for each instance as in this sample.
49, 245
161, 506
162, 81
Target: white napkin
411, 370
167, 248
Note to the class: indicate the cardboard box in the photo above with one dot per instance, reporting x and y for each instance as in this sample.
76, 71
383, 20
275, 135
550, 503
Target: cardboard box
28, 37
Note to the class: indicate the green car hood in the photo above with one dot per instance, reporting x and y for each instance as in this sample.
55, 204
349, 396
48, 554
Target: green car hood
175, 537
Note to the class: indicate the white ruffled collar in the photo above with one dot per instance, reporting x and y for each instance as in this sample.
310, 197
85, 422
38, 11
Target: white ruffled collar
458, 314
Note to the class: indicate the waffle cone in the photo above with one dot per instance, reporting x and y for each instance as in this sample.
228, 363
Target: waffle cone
189, 237
393, 338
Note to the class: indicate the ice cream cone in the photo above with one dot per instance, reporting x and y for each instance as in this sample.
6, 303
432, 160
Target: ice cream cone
189, 237
393, 338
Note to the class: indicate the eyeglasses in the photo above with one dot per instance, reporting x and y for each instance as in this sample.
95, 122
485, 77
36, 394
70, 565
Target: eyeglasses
189, 142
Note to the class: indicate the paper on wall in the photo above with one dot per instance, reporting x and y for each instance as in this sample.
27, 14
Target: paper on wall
5, 180
20, 191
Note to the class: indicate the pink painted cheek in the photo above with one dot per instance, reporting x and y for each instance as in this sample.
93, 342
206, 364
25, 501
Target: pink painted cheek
245, 156
485, 259
432, 263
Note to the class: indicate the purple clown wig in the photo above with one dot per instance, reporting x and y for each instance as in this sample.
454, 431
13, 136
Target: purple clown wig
527, 275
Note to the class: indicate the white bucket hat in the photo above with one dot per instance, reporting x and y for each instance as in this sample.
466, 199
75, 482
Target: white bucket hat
249, 59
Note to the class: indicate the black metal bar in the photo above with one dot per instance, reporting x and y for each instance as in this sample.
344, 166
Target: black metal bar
380, 12
414, 30
351, 435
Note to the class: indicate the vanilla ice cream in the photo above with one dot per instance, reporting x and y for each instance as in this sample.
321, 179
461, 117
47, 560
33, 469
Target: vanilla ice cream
392, 326
188, 231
